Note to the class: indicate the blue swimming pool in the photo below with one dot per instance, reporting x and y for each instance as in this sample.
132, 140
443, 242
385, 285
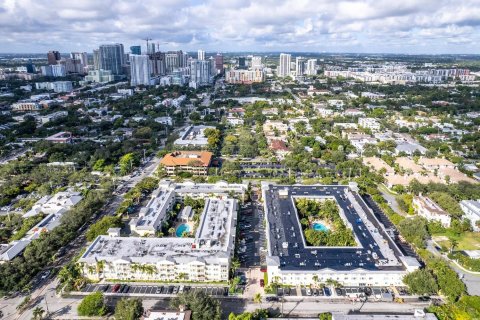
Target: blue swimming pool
317, 226
181, 229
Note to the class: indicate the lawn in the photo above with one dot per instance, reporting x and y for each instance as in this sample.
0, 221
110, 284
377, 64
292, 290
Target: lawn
467, 241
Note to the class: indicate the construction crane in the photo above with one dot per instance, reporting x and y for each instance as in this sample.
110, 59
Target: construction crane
147, 39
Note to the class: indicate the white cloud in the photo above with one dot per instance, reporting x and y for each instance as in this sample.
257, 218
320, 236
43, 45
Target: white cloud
293, 25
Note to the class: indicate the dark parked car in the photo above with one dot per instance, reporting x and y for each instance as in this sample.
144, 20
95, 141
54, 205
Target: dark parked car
271, 299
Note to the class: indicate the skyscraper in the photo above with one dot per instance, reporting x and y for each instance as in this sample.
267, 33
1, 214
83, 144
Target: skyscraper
96, 59
30, 67
219, 63
299, 66
151, 48
81, 56
112, 58
284, 65
136, 49
311, 69
140, 70
53, 57
157, 61
199, 73
241, 63
256, 62
201, 55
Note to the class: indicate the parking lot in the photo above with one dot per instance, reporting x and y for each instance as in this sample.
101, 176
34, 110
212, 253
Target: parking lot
251, 247
166, 290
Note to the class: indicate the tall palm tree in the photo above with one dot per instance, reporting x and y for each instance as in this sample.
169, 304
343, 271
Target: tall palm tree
38, 313
453, 244
257, 298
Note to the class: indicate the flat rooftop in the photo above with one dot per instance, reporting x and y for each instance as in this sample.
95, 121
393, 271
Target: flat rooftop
193, 136
375, 250
214, 241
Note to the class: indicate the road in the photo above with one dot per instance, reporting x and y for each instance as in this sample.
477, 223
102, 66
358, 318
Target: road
43, 293
391, 200
472, 281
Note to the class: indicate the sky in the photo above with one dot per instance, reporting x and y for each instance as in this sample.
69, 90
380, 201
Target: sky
363, 26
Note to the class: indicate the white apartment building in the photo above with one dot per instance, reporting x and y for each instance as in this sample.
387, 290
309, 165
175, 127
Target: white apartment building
431, 211
284, 65
193, 136
57, 86
234, 121
471, 209
205, 258
369, 123
164, 120
140, 70
256, 63
299, 66
311, 68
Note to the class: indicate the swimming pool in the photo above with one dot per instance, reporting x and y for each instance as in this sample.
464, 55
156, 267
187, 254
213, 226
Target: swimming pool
317, 226
181, 229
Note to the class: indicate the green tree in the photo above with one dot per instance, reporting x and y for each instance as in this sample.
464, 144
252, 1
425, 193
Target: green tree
421, 282
126, 163
92, 305
129, 309
100, 227
38, 313
203, 306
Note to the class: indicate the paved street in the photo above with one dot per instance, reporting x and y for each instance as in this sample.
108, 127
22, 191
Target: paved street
472, 281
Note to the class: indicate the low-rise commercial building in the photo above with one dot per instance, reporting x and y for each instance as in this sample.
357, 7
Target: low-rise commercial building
193, 136
195, 162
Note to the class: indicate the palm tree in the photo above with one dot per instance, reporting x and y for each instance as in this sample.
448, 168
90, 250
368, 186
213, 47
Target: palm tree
38, 313
171, 231
257, 298
453, 244
235, 265
315, 279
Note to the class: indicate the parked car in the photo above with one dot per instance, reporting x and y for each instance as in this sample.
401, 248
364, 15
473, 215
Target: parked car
309, 291
271, 299
115, 288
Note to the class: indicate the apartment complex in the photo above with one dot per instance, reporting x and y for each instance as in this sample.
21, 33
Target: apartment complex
204, 258
431, 211
471, 209
375, 260
244, 76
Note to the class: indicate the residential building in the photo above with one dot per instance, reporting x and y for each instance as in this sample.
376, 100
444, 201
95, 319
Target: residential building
409, 148
431, 211
53, 57
195, 162
112, 57
471, 210
96, 59
284, 65
168, 315
219, 63
164, 120
26, 106
375, 259
82, 57
200, 73
234, 121
256, 63
204, 258
57, 86
369, 123
52, 116
244, 76
200, 55
140, 70
61, 137
311, 68
299, 66
100, 76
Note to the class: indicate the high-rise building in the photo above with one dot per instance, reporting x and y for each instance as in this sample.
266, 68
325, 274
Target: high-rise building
157, 61
299, 66
199, 73
58, 70
81, 56
201, 55
140, 70
284, 65
219, 63
53, 57
256, 63
241, 63
311, 69
213, 69
244, 76
112, 58
96, 59
151, 48
30, 67
136, 49
171, 61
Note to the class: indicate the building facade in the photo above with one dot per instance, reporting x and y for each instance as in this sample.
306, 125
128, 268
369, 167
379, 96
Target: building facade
140, 70
284, 65
111, 57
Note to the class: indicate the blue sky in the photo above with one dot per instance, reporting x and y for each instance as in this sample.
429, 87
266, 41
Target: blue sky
368, 26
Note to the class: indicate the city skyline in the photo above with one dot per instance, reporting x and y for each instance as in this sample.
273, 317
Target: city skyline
415, 27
